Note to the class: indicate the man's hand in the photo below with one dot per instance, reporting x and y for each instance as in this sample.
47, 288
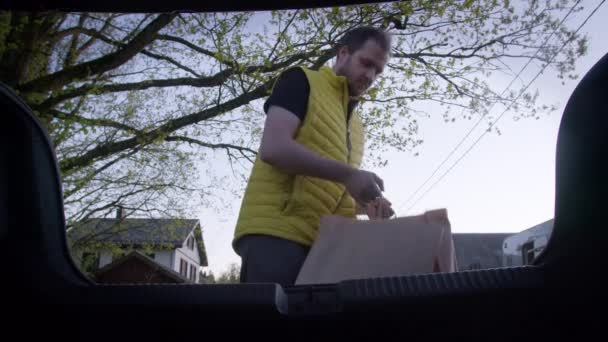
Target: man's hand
280, 149
380, 208
364, 186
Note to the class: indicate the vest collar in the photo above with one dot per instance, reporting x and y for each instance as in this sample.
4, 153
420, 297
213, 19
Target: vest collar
336, 81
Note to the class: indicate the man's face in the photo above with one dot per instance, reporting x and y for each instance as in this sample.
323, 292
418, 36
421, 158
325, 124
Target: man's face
362, 67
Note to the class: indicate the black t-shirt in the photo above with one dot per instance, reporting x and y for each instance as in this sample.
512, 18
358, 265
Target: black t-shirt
291, 92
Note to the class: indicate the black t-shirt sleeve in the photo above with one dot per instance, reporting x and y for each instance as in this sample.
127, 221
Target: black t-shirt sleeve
290, 92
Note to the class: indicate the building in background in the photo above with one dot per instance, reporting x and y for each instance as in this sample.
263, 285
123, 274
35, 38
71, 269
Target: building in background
522, 248
478, 250
101, 245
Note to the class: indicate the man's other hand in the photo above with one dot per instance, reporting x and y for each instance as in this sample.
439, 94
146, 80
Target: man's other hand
364, 186
380, 208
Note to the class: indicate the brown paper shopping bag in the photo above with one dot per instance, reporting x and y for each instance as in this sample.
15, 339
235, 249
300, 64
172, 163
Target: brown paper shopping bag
355, 249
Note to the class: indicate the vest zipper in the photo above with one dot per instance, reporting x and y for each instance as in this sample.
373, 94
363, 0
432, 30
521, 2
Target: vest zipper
349, 147
348, 143
348, 117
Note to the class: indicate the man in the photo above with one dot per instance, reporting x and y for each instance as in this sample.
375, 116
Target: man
308, 162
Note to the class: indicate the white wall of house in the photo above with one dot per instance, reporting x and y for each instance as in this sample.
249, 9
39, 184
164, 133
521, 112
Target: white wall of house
168, 258
163, 258
105, 257
189, 255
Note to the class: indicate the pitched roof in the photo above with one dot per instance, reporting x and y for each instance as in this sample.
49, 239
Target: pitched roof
202, 252
163, 233
483, 249
134, 230
178, 278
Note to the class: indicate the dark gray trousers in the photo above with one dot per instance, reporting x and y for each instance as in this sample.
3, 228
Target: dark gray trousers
267, 259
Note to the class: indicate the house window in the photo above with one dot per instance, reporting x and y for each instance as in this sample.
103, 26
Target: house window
183, 267
192, 273
527, 252
190, 243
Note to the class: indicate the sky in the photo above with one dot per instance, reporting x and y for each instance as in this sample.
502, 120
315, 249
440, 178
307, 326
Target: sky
505, 184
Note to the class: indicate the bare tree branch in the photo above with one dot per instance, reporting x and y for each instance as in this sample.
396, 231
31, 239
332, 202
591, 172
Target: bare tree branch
91, 175
208, 145
442, 75
102, 151
210, 81
92, 122
92, 40
99, 65
193, 47
107, 40
70, 57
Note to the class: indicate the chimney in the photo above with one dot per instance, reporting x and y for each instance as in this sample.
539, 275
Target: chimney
119, 213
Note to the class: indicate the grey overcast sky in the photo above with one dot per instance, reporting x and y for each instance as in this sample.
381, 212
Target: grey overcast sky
505, 184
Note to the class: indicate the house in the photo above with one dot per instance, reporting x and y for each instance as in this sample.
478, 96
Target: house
479, 250
175, 244
522, 248
136, 267
491, 250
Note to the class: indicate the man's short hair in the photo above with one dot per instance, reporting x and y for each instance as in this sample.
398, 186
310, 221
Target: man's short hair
355, 38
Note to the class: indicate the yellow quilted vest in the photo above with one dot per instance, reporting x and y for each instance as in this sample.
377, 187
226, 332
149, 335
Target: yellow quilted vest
291, 206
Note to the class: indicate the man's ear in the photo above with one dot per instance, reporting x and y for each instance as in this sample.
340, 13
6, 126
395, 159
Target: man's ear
342, 52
